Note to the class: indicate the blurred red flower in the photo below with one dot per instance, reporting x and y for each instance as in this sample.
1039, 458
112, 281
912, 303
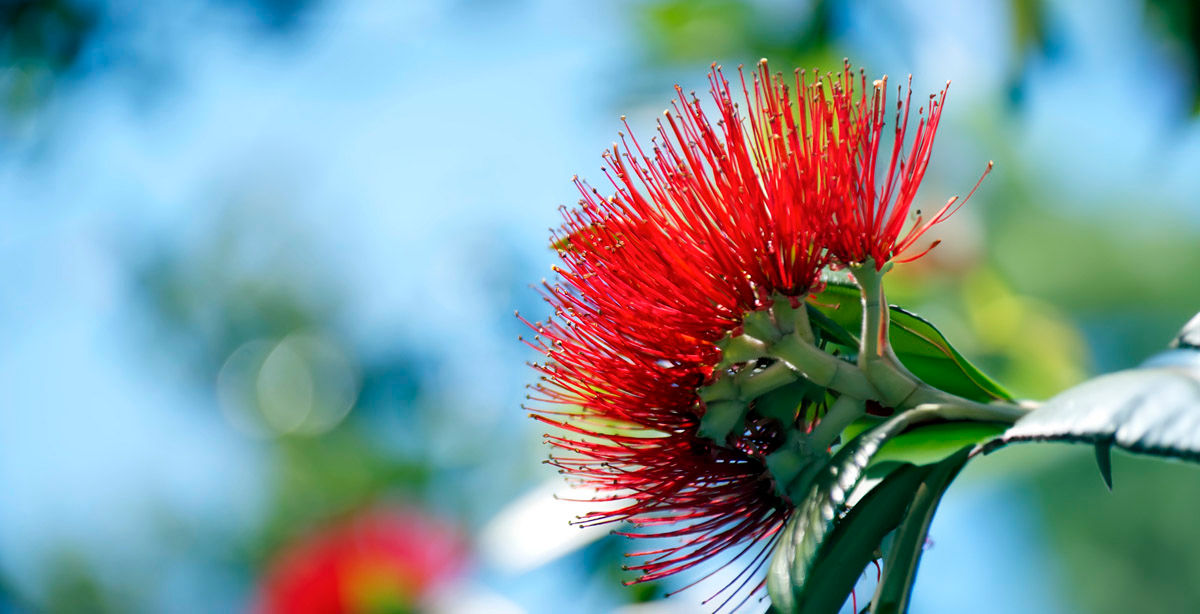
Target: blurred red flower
382, 560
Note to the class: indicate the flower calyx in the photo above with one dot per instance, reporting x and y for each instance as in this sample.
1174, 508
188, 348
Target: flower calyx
774, 372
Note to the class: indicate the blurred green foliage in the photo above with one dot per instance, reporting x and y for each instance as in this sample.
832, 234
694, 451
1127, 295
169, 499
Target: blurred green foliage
41, 40
47, 44
1119, 275
72, 587
1179, 23
1131, 550
327, 477
804, 33
687, 31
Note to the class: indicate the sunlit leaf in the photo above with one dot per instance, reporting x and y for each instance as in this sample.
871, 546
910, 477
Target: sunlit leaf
935, 442
855, 541
1189, 337
816, 517
918, 344
1153, 409
927, 443
829, 329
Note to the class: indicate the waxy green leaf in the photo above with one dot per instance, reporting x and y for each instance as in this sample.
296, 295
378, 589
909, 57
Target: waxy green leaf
927, 443
1189, 337
918, 343
796, 554
1153, 409
856, 539
1149, 410
933, 443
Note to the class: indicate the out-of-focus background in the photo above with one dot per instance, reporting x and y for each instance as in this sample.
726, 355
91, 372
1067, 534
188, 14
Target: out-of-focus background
259, 259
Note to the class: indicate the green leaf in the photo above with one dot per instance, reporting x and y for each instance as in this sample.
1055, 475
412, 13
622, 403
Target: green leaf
815, 517
900, 571
783, 403
933, 443
1189, 337
829, 329
855, 541
1153, 409
927, 443
1104, 462
918, 344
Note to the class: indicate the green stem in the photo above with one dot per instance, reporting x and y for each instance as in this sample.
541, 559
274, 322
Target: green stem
793, 457
875, 316
845, 409
785, 333
742, 348
752, 383
803, 327
895, 383
951, 407
748, 384
956, 411
898, 387
823, 368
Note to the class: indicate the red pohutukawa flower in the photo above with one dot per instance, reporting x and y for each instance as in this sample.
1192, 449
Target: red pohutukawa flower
710, 220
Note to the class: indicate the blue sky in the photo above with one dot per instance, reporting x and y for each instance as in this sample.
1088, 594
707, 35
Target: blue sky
403, 141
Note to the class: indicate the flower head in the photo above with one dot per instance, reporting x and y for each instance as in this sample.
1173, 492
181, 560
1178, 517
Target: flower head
386, 559
714, 219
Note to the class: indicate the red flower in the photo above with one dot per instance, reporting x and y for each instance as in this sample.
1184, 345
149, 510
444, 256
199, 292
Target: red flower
870, 221
709, 221
383, 560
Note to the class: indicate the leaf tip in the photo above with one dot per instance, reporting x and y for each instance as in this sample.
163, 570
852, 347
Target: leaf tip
1104, 461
